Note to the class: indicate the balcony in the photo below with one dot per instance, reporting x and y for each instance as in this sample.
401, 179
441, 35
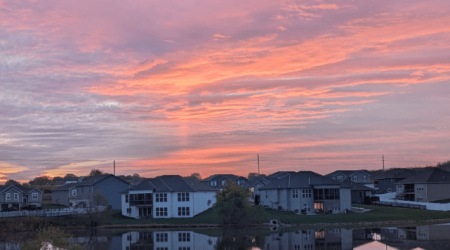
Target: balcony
140, 202
141, 199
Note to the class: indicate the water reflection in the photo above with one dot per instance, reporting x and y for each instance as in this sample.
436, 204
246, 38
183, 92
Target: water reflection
430, 237
167, 240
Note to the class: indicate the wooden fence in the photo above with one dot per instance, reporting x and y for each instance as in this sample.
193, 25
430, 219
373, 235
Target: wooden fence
50, 212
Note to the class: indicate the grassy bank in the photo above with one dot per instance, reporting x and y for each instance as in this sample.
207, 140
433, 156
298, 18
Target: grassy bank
210, 216
378, 214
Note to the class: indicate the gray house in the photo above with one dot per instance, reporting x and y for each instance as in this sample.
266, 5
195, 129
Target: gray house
306, 192
220, 180
360, 192
17, 196
109, 185
358, 176
65, 195
432, 184
386, 181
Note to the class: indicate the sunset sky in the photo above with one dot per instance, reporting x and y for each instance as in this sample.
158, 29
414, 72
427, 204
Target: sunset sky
176, 87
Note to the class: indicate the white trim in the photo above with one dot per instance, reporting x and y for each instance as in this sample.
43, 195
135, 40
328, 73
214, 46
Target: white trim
37, 196
7, 196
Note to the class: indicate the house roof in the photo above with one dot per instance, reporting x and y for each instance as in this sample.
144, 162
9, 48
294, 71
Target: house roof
299, 180
346, 172
171, 183
280, 174
92, 180
218, 177
19, 187
429, 175
399, 173
357, 186
262, 179
65, 187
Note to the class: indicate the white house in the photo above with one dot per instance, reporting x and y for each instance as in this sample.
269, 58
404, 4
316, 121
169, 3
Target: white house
306, 192
168, 196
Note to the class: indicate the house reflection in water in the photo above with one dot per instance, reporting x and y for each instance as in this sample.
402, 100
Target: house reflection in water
167, 240
335, 239
425, 237
9, 246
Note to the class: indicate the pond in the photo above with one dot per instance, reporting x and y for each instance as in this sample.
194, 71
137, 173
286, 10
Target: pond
417, 237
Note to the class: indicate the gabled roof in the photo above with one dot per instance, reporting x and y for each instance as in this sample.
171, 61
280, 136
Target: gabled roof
281, 174
397, 173
65, 187
430, 175
300, 180
171, 183
347, 172
263, 180
357, 186
92, 180
19, 188
218, 177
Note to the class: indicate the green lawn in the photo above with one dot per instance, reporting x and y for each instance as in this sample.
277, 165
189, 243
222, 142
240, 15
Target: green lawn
210, 216
52, 206
378, 213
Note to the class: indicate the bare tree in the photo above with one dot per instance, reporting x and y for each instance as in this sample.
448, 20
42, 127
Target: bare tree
96, 210
95, 172
196, 176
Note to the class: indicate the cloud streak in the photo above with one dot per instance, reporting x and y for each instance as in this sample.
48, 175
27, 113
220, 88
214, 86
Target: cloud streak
170, 87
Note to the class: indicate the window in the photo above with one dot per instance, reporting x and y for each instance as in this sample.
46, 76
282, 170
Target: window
183, 197
213, 183
389, 190
16, 196
183, 211
420, 198
306, 193
184, 237
364, 177
360, 194
126, 198
161, 211
420, 187
239, 182
224, 183
8, 197
74, 192
162, 237
355, 178
340, 178
295, 193
161, 197
34, 196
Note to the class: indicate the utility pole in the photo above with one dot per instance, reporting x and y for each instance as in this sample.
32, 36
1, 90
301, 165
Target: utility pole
257, 156
383, 162
114, 163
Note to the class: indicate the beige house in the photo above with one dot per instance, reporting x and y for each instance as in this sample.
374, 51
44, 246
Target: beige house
432, 184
